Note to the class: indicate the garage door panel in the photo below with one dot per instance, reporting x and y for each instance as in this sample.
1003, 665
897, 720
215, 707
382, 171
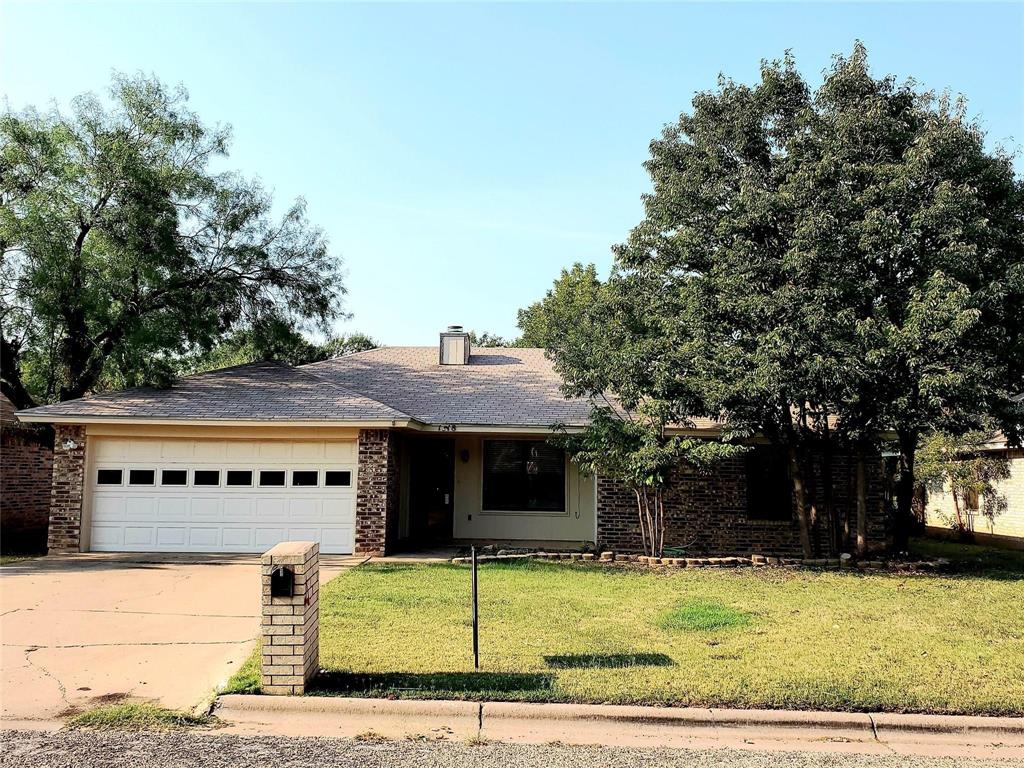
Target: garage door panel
136, 509
305, 509
108, 509
271, 509
275, 451
238, 508
264, 538
336, 538
141, 536
177, 450
204, 537
206, 508
207, 450
237, 538
340, 451
172, 509
189, 518
107, 536
311, 451
240, 450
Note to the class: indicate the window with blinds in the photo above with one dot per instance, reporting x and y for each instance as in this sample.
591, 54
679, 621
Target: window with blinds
523, 476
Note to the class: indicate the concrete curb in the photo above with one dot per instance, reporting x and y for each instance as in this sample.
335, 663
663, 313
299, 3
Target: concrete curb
604, 724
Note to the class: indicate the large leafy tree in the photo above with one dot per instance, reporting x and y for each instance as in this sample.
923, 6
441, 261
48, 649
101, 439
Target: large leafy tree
816, 267
124, 249
615, 344
278, 342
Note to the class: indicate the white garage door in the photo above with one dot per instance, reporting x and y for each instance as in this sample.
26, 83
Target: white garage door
174, 495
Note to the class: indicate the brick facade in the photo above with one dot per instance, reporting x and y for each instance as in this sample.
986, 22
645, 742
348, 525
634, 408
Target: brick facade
706, 513
377, 491
67, 489
26, 466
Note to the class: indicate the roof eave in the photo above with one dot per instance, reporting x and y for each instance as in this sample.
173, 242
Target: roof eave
141, 420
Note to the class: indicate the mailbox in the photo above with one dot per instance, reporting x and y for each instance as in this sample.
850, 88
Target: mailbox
282, 581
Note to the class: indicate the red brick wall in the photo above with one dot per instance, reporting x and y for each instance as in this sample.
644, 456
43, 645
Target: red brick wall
707, 513
68, 489
377, 491
26, 464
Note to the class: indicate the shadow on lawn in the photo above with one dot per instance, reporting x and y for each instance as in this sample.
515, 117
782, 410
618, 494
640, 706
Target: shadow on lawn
608, 660
420, 682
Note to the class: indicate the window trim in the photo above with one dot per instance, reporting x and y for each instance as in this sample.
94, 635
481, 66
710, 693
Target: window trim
348, 472
130, 484
218, 484
119, 483
163, 470
261, 484
564, 512
315, 472
250, 484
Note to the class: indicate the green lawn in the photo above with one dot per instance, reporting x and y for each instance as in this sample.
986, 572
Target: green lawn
742, 638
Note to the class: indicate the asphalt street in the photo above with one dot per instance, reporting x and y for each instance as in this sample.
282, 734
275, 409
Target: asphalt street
117, 749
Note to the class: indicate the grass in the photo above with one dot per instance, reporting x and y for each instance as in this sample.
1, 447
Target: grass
702, 616
11, 559
131, 716
739, 638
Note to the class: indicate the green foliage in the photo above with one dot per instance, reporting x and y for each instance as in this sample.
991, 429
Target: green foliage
703, 616
277, 342
851, 252
965, 466
123, 250
487, 339
131, 716
554, 321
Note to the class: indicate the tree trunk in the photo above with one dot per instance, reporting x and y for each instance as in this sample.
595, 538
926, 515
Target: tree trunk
905, 490
956, 508
862, 504
800, 496
835, 540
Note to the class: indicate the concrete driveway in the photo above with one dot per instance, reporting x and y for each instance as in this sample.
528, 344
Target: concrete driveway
83, 630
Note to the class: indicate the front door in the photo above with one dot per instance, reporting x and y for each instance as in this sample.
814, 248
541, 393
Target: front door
432, 490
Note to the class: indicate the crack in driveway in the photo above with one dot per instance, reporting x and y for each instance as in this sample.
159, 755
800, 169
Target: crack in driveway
129, 645
60, 686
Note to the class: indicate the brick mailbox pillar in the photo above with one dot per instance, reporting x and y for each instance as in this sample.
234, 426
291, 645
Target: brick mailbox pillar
291, 617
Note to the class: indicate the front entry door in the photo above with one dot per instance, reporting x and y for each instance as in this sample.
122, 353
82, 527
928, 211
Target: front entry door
432, 490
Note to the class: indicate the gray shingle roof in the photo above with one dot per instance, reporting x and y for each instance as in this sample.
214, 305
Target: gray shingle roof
258, 392
500, 386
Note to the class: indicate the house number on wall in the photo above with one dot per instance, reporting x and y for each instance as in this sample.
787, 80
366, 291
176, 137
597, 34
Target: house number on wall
446, 428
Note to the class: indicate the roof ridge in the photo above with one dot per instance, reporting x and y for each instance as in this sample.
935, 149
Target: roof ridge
339, 387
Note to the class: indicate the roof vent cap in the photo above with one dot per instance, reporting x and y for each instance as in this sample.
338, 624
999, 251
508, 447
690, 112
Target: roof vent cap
454, 346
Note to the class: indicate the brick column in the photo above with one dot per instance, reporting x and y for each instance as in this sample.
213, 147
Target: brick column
291, 625
376, 490
67, 489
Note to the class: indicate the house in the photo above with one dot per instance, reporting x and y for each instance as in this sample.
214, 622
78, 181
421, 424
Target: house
26, 456
1006, 527
371, 452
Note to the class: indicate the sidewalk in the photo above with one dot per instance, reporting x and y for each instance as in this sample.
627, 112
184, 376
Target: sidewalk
624, 726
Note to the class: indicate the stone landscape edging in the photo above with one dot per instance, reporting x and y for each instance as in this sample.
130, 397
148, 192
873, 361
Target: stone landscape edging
875, 725
845, 563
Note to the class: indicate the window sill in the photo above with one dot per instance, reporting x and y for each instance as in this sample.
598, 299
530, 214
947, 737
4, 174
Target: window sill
524, 512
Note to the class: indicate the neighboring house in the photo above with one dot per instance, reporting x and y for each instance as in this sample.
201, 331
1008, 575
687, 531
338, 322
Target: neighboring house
26, 456
1005, 527
384, 449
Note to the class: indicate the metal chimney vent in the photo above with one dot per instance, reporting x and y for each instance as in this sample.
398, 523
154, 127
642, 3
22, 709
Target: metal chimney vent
454, 346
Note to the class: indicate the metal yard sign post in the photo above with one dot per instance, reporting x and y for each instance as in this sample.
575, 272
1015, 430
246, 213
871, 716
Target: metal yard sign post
476, 615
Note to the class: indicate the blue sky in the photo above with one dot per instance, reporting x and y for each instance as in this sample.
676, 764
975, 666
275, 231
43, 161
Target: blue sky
460, 155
